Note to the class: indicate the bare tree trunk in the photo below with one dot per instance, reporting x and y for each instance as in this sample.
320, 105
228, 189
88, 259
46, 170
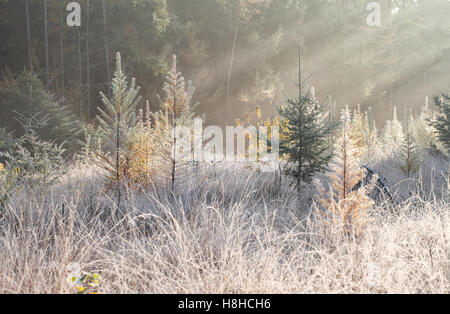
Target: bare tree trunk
300, 164
391, 78
174, 125
61, 47
105, 25
331, 119
118, 157
230, 69
47, 71
88, 73
80, 73
299, 74
30, 52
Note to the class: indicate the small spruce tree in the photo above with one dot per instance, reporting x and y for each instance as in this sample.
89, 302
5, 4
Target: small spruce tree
442, 122
27, 98
424, 132
304, 141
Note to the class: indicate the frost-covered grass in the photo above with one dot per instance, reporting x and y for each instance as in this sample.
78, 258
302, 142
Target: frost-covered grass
227, 230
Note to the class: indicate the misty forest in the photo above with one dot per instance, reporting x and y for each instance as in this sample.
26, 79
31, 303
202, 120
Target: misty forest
224, 146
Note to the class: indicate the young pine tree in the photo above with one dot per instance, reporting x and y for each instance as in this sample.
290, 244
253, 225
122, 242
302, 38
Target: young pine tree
397, 134
118, 122
408, 153
371, 140
304, 139
176, 111
357, 129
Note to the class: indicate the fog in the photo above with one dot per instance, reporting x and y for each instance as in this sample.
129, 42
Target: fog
239, 54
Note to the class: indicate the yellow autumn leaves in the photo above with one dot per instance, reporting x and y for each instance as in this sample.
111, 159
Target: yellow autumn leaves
269, 123
86, 283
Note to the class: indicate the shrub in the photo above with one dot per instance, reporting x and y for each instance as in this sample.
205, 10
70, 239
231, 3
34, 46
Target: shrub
35, 161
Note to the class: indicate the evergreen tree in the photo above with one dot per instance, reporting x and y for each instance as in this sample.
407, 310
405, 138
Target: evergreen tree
424, 132
396, 129
442, 123
118, 122
27, 98
408, 153
371, 140
176, 111
7, 145
305, 138
33, 160
36, 161
357, 128
6, 140
393, 135
387, 138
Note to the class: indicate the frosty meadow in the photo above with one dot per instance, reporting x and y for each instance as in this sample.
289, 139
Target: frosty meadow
307, 150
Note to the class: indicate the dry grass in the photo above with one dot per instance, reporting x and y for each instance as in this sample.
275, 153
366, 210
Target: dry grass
228, 232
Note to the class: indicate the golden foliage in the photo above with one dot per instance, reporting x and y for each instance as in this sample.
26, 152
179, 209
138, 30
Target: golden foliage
344, 204
270, 124
142, 148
